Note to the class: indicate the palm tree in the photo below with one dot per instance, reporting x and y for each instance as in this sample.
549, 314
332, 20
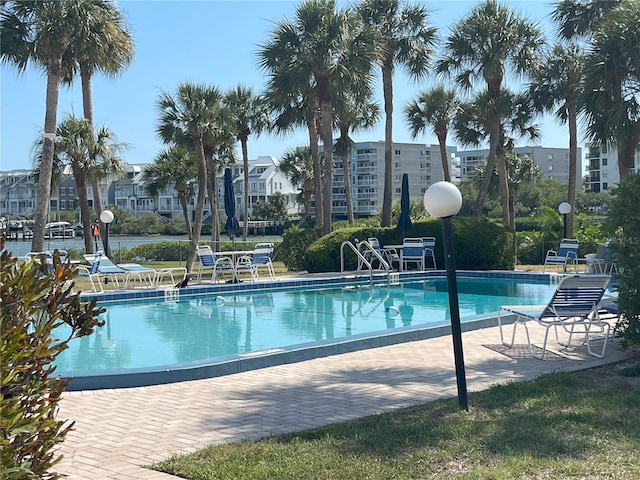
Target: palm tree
558, 82
297, 165
354, 111
295, 107
481, 47
329, 47
249, 114
437, 108
103, 44
579, 18
471, 125
174, 167
40, 32
403, 38
611, 99
192, 109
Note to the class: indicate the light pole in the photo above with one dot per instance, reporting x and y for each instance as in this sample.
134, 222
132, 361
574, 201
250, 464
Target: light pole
106, 217
444, 200
564, 208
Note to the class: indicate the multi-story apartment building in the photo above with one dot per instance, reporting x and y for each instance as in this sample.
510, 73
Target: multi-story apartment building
602, 167
17, 192
552, 162
420, 161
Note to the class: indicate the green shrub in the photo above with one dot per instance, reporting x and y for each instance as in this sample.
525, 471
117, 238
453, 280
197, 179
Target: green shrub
624, 225
295, 241
35, 303
480, 244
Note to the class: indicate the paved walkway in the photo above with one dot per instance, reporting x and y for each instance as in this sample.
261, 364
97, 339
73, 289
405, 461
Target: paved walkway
118, 432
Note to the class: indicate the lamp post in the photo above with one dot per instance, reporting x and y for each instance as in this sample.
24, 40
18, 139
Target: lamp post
444, 200
106, 217
564, 208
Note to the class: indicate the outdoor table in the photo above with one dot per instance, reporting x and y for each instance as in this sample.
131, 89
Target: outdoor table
234, 255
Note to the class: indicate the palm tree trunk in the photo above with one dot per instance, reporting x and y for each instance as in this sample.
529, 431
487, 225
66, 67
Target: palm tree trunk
503, 180
573, 167
43, 191
245, 163
212, 193
442, 142
85, 214
387, 88
317, 176
97, 206
494, 129
182, 199
87, 93
347, 176
202, 189
324, 97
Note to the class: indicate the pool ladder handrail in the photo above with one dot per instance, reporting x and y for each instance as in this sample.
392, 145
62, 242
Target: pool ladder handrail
361, 259
384, 265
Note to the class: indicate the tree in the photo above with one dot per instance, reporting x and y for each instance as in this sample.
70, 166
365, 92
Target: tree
103, 44
354, 111
435, 107
330, 47
191, 110
558, 82
611, 98
36, 304
403, 38
249, 114
40, 32
174, 167
481, 47
297, 165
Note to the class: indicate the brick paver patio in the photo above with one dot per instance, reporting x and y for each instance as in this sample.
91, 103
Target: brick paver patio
118, 432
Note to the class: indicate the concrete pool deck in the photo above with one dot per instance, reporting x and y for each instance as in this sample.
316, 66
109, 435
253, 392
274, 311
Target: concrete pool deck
119, 431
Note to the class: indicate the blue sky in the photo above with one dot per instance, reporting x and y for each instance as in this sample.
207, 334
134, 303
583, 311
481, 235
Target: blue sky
211, 42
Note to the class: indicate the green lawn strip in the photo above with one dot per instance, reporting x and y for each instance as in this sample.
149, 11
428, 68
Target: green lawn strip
560, 426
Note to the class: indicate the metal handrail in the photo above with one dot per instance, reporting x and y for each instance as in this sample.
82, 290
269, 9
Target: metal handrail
361, 259
383, 262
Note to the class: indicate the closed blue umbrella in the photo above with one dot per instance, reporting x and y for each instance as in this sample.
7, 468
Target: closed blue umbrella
232, 227
404, 222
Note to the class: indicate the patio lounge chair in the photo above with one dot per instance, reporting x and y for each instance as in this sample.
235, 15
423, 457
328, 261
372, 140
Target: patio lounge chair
574, 304
91, 272
566, 255
217, 266
599, 262
106, 269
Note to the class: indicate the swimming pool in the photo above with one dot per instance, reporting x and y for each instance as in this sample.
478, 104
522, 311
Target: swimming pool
198, 336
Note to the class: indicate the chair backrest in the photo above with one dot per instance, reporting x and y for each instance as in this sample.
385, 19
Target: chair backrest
429, 244
263, 245
577, 296
569, 248
205, 256
95, 266
412, 248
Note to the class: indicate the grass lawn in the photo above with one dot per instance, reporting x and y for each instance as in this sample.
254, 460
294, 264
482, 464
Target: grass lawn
582, 425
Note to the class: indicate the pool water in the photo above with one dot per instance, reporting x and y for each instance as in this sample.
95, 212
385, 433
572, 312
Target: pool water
143, 334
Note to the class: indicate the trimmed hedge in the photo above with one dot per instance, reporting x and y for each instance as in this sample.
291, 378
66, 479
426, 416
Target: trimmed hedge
480, 244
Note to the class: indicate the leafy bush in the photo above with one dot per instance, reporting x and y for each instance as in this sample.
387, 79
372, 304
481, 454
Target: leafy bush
623, 225
35, 303
295, 241
480, 244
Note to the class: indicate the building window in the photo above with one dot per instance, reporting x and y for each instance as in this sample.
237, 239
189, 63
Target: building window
604, 162
398, 191
63, 204
397, 177
396, 152
70, 191
397, 165
605, 186
550, 167
550, 157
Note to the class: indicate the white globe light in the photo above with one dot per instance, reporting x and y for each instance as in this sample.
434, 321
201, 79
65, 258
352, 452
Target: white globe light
442, 199
106, 216
564, 208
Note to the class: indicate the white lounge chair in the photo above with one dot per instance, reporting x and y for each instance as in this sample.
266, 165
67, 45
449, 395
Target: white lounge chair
574, 304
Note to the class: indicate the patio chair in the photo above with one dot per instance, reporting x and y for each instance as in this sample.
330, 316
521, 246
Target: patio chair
109, 271
430, 251
575, 304
599, 262
147, 276
91, 272
391, 255
217, 266
261, 257
566, 255
413, 252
